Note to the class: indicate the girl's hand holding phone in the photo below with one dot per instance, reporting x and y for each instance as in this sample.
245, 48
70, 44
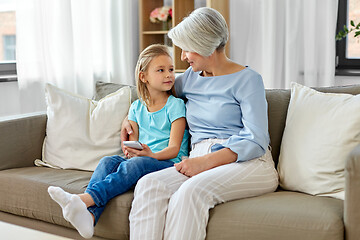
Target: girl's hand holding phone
132, 152
133, 144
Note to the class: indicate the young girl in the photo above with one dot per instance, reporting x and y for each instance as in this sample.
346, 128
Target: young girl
157, 119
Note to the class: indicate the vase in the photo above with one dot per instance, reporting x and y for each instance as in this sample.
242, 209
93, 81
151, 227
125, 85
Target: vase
166, 25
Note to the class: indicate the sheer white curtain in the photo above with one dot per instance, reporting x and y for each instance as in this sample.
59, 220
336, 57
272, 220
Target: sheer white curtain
72, 44
285, 40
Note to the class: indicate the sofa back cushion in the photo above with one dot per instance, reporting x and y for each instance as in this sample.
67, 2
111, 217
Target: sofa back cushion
278, 102
21, 139
103, 89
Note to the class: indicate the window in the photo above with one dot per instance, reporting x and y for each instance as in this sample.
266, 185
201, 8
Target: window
348, 49
7, 40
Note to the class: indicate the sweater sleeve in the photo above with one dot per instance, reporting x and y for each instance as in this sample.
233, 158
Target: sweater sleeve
252, 140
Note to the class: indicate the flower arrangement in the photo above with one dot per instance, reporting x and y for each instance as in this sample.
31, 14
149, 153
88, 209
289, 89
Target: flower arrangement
161, 14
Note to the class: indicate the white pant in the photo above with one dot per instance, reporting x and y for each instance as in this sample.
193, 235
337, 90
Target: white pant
169, 205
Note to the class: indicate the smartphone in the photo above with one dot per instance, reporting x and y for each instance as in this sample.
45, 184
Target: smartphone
133, 144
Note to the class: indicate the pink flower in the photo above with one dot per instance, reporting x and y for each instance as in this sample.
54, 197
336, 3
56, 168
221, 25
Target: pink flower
154, 14
161, 14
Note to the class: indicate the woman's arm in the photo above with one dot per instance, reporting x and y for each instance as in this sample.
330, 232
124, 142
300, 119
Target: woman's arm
134, 136
172, 150
253, 139
126, 132
192, 166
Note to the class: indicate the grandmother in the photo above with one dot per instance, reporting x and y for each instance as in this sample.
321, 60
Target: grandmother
226, 111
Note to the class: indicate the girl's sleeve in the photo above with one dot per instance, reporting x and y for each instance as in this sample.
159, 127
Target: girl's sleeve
132, 110
253, 139
177, 109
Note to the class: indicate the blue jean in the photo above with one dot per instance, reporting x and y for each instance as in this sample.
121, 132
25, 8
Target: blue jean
115, 175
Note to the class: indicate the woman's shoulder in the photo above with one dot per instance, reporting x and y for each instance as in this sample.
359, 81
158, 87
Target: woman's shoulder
234, 67
245, 73
252, 75
246, 80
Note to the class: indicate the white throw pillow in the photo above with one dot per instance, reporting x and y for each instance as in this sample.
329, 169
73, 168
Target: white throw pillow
81, 131
321, 130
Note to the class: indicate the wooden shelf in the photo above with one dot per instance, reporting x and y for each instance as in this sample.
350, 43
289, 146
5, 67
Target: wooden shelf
151, 33
155, 32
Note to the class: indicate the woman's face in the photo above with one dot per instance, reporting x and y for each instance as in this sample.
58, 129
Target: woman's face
196, 61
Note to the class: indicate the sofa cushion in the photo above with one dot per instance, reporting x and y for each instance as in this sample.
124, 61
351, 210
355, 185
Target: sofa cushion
278, 101
279, 215
23, 191
321, 130
21, 140
81, 131
102, 89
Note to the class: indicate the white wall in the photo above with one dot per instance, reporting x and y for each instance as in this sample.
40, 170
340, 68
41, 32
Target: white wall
9, 99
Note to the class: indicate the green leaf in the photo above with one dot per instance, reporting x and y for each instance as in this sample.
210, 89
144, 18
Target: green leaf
341, 34
338, 37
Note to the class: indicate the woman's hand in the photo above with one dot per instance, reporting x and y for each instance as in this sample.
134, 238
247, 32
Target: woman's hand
132, 152
192, 166
126, 130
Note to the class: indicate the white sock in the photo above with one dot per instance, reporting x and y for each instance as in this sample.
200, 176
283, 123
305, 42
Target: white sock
74, 211
60, 196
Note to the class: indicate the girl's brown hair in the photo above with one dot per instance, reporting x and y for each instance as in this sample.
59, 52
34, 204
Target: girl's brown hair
145, 57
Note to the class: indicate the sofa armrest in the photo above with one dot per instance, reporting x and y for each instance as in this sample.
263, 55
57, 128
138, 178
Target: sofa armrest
21, 140
352, 195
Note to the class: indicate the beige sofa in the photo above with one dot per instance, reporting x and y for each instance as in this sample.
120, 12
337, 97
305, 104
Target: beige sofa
279, 215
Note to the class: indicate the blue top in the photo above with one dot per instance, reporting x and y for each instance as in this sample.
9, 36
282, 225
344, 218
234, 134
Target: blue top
231, 107
154, 127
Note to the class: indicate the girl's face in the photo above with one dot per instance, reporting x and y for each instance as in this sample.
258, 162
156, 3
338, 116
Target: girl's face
160, 75
196, 61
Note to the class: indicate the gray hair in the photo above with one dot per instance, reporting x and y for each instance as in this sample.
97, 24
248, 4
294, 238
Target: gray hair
203, 31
